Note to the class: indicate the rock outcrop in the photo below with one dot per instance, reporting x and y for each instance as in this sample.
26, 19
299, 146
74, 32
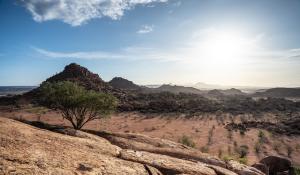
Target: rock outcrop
122, 83
26, 149
276, 164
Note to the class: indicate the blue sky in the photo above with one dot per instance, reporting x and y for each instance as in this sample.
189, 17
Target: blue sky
229, 42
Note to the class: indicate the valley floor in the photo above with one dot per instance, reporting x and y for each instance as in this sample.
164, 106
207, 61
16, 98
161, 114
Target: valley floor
207, 132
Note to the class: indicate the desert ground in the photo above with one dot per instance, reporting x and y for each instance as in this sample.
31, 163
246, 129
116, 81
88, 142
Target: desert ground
206, 132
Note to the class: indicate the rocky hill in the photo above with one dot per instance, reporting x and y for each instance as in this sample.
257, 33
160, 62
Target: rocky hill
279, 93
82, 76
174, 89
122, 83
26, 149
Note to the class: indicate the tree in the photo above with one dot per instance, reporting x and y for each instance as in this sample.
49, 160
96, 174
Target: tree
77, 105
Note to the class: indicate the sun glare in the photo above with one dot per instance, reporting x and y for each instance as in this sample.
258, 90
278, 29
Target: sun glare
222, 50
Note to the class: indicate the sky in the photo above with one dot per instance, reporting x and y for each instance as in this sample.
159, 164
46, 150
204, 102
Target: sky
225, 42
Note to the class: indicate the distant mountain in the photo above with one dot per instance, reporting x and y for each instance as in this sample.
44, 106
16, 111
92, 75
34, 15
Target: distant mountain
83, 77
14, 90
279, 93
232, 91
214, 93
205, 86
174, 89
122, 83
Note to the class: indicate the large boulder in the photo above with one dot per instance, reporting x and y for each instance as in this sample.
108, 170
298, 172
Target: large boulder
276, 164
262, 167
159, 146
167, 164
28, 150
242, 169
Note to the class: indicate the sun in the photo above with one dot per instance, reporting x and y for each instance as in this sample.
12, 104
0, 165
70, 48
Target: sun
222, 50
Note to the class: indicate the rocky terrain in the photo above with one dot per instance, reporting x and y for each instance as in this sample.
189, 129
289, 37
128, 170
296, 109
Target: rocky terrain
29, 150
40, 148
166, 98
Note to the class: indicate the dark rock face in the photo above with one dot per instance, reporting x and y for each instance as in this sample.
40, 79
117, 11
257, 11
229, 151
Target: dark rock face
276, 164
83, 77
262, 167
122, 83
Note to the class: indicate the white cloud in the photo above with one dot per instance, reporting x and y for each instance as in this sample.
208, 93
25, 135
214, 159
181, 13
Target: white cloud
128, 53
145, 29
78, 12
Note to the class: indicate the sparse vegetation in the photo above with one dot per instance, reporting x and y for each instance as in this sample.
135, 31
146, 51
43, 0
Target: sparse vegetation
243, 150
262, 137
243, 160
204, 149
187, 141
229, 134
257, 147
220, 153
289, 150
76, 104
277, 146
210, 135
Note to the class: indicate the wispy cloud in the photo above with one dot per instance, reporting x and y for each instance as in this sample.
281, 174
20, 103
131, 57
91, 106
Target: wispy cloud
145, 29
128, 53
78, 12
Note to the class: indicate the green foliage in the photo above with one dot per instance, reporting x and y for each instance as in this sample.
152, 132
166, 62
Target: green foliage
243, 151
187, 141
76, 104
227, 158
296, 170
262, 137
243, 160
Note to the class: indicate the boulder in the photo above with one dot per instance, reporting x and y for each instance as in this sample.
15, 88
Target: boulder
28, 150
167, 164
242, 169
159, 146
262, 167
276, 164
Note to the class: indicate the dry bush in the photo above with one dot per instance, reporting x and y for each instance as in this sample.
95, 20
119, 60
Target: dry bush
187, 141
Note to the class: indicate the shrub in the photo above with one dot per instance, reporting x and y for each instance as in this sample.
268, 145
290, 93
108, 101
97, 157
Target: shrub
210, 135
276, 146
242, 133
243, 160
296, 170
187, 141
257, 147
229, 134
243, 151
227, 158
220, 152
262, 137
77, 105
204, 149
289, 150
297, 147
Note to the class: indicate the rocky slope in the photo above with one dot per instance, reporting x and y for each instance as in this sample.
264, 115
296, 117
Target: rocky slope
122, 83
279, 93
30, 150
81, 75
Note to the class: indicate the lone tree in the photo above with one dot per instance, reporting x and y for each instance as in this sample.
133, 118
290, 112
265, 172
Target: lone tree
77, 105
